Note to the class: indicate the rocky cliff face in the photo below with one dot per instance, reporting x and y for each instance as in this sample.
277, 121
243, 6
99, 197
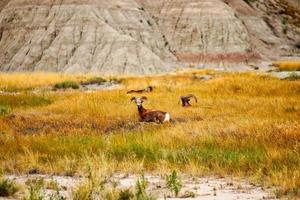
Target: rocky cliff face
142, 36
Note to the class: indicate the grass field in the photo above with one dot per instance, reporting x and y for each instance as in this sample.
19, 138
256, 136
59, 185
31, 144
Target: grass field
244, 125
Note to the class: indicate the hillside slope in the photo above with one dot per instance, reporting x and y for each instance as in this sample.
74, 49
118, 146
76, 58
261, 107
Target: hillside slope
143, 36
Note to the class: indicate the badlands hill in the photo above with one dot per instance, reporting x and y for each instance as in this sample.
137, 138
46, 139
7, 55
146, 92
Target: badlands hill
144, 36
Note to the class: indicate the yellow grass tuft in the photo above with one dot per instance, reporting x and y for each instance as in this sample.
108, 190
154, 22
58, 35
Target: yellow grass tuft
287, 65
26, 81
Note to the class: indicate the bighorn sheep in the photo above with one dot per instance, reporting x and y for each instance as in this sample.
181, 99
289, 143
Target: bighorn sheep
148, 89
150, 115
186, 100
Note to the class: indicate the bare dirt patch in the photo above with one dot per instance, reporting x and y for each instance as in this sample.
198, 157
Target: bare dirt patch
193, 187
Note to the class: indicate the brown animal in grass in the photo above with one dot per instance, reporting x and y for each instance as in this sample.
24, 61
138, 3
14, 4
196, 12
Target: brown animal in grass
148, 89
150, 115
185, 100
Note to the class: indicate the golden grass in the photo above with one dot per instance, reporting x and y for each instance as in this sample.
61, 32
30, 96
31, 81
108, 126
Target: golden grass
288, 65
27, 81
250, 128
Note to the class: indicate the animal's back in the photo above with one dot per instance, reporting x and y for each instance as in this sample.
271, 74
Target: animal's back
154, 115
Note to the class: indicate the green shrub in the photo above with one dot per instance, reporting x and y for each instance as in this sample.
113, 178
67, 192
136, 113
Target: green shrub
125, 195
173, 183
66, 85
95, 80
140, 189
4, 110
8, 188
35, 189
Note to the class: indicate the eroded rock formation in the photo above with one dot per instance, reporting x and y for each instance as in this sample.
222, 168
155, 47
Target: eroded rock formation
142, 36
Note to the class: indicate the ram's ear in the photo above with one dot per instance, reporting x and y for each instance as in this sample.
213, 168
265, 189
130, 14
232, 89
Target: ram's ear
143, 98
133, 99
150, 88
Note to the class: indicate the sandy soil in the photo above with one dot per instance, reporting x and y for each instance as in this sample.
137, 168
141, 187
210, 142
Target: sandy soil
204, 188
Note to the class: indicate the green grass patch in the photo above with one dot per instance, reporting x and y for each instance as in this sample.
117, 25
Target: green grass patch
67, 85
35, 187
4, 110
8, 188
94, 80
229, 155
174, 183
205, 152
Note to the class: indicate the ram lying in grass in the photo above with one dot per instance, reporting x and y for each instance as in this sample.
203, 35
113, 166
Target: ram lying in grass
244, 124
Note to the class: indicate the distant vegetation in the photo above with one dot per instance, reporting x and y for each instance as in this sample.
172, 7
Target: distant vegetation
244, 125
287, 65
67, 85
94, 80
15, 82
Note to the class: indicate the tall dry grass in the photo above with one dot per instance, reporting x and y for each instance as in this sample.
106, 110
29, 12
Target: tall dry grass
244, 125
12, 82
291, 65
